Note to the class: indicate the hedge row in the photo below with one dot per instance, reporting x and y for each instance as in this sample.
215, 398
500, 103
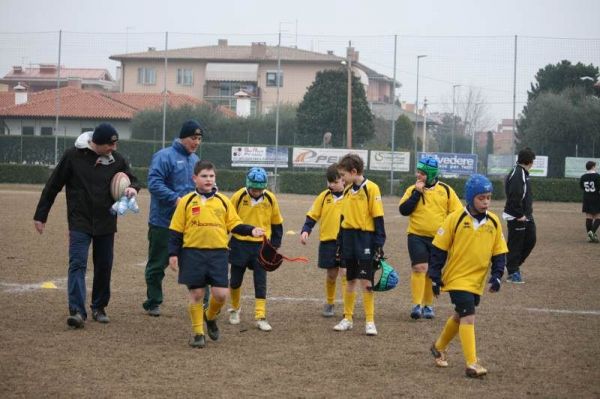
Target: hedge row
313, 182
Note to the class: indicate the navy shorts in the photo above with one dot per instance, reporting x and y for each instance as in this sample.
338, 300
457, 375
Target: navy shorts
361, 269
357, 245
419, 248
327, 251
464, 302
201, 267
244, 253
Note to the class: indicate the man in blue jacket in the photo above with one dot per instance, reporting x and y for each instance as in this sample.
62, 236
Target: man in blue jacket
169, 179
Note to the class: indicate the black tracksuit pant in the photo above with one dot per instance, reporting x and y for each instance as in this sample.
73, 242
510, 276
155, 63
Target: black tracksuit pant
521, 240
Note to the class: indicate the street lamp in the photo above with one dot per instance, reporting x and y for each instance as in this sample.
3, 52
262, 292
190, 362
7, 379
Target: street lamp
348, 64
417, 106
425, 124
453, 114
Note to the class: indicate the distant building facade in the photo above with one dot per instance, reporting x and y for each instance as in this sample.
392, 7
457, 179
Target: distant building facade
216, 73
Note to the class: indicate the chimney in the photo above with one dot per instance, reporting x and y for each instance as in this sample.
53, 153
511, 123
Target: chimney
259, 50
74, 82
151, 48
17, 69
47, 68
20, 94
243, 104
222, 42
330, 52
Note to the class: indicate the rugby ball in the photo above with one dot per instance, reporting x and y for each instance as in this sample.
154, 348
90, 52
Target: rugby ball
118, 184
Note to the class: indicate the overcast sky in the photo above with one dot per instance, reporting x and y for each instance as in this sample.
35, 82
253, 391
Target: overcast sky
467, 42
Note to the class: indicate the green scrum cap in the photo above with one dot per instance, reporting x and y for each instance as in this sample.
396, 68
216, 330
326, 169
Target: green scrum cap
388, 279
429, 166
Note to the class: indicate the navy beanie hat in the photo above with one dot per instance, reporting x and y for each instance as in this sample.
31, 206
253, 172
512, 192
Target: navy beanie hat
190, 128
105, 133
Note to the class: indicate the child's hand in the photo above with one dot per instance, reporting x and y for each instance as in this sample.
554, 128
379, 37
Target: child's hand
419, 185
494, 284
435, 287
174, 263
304, 237
258, 232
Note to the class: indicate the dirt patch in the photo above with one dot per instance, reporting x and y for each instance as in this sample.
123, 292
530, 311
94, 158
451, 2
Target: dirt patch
539, 339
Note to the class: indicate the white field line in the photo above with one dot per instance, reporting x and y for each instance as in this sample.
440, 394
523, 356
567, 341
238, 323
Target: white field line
61, 284
563, 311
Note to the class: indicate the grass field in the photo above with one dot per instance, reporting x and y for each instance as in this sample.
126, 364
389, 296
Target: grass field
539, 339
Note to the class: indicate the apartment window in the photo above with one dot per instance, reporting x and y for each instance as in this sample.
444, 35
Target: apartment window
46, 131
146, 76
272, 79
27, 130
185, 77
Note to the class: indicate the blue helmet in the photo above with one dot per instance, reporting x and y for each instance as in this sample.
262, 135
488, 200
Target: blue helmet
256, 178
475, 185
429, 166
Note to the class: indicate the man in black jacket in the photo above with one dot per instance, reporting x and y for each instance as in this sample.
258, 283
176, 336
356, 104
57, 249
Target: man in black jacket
518, 213
87, 171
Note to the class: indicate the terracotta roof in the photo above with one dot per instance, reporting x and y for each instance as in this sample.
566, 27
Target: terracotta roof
141, 101
232, 53
77, 103
37, 73
7, 98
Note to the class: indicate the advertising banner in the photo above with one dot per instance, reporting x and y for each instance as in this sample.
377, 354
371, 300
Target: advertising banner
575, 167
499, 165
259, 156
452, 164
304, 157
502, 164
382, 160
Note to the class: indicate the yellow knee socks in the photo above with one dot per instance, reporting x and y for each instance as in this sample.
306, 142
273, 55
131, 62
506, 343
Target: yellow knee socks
235, 294
369, 305
467, 340
428, 294
196, 312
417, 285
260, 308
447, 335
214, 308
349, 305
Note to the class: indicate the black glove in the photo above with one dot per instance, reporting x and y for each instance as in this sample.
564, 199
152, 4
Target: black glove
378, 254
436, 285
495, 284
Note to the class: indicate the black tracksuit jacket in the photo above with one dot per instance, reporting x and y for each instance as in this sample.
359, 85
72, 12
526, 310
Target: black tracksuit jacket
88, 191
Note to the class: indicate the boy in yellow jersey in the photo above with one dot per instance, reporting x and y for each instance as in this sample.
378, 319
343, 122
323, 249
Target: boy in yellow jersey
468, 241
257, 206
199, 232
361, 239
427, 203
327, 208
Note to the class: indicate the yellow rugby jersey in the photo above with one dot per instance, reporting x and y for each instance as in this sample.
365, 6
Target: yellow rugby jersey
205, 224
470, 250
259, 214
328, 209
435, 204
361, 206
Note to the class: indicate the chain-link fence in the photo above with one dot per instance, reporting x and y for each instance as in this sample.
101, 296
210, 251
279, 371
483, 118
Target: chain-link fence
481, 82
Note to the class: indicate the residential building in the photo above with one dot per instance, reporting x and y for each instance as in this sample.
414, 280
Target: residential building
504, 137
45, 76
23, 113
216, 73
